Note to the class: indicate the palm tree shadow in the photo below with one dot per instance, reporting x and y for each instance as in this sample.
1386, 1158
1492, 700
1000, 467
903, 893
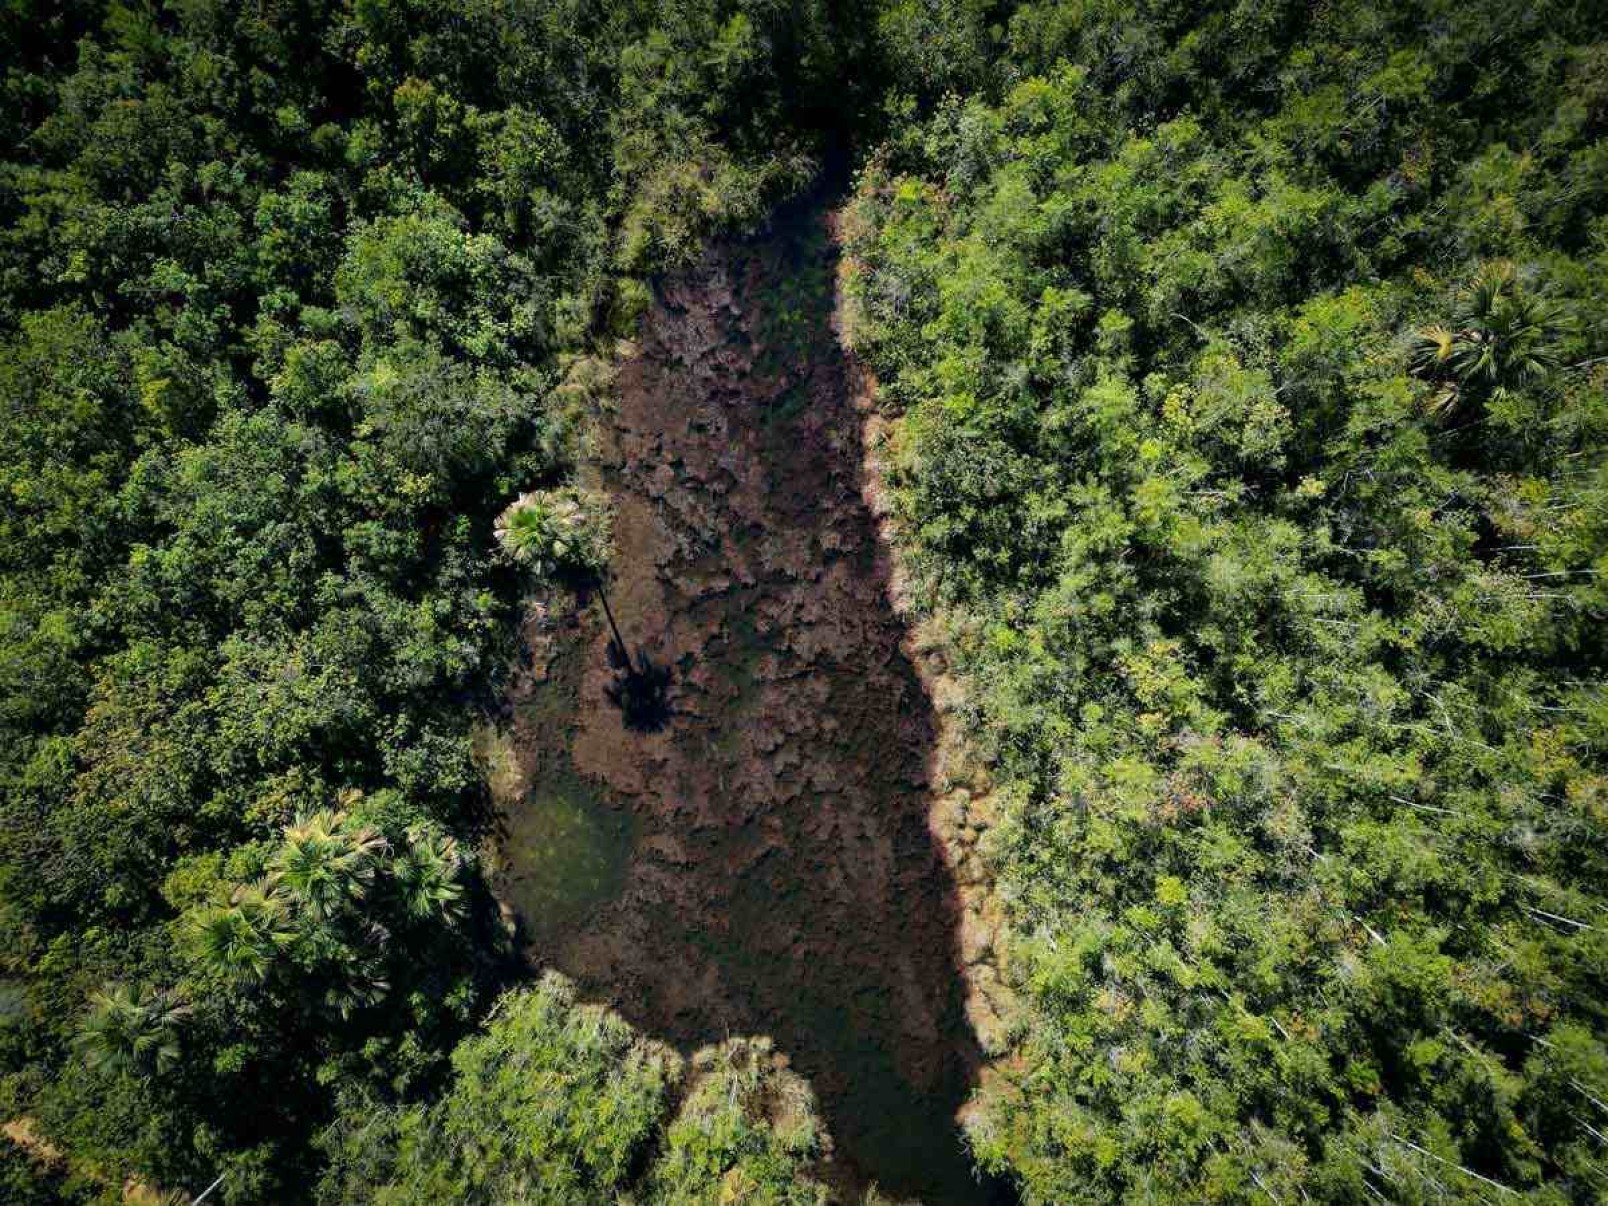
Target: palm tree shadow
640, 690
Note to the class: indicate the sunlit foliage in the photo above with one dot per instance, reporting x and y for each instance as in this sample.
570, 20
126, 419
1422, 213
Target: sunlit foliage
1250, 370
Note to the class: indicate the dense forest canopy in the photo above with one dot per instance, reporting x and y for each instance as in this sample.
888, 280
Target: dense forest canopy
295, 298
1253, 380
1248, 369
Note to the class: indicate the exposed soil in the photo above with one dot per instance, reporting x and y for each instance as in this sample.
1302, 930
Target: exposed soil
765, 864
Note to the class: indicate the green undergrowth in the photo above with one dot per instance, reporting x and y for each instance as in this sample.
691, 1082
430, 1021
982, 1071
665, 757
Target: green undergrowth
558, 1102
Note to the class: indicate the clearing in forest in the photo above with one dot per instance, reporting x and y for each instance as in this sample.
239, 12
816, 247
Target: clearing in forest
763, 864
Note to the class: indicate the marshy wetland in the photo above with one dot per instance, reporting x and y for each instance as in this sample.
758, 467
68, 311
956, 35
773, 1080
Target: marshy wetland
764, 864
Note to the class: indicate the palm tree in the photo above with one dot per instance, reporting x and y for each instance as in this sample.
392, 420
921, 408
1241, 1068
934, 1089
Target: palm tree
131, 1029
242, 940
565, 533
426, 874
556, 532
355, 976
1506, 338
324, 865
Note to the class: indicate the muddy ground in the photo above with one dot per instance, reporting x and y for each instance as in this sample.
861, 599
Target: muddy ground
766, 863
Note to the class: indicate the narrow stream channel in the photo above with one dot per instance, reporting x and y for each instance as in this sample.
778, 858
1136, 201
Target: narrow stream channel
764, 864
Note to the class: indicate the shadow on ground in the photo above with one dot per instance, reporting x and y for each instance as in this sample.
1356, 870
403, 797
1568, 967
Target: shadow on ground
763, 863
